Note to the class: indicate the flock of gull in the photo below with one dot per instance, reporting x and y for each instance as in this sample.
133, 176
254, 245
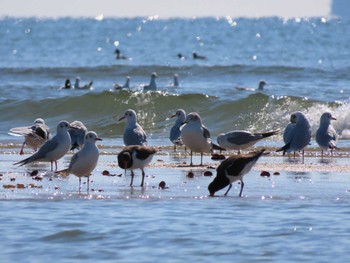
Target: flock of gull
188, 130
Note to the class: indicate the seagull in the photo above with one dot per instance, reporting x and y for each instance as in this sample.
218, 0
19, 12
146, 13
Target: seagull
240, 140
119, 56
299, 136
261, 86
175, 132
84, 161
326, 136
196, 56
86, 86
53, 149
233, 169
67, 84
133, 133
34, 136
152, 85
180, 56
136, 157
196, 136
125, 86
77, 132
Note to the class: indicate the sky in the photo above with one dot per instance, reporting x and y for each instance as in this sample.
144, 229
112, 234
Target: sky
165, 8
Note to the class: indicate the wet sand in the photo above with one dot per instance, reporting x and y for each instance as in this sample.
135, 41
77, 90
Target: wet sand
16, 182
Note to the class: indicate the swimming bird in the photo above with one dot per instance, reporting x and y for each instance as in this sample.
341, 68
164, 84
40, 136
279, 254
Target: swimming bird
119, 56
53, 149
133, 133
84, 161
240, 140
86, 86
180, 56
125, 86
196, 56
67, 84
175, 132
196, 136
261, 86
136, 157
326, 136
233, 169
298, 136
34, 136
77, 132
152, 85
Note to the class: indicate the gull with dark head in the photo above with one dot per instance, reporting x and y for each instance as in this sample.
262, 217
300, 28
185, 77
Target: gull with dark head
133, 133
262, 84
135, 157
34, 136
298, 135
53, 149
196, 56
326, 136
196, 136
240, 140
84, 161
119, 55
152, 85
233, 169
175, 132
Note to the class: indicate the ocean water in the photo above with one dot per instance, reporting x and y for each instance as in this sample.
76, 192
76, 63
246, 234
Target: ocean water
293, 217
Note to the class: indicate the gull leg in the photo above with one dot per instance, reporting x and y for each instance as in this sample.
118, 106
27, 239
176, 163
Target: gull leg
79, 185
229, 188
201, 159
143, 177
242, 185
132, 177
88, 184
21, 152
191, 164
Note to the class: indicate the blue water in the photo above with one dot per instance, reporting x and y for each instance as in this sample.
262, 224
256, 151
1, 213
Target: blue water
293, 217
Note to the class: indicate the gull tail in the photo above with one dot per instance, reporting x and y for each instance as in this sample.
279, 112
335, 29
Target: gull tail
217, 147
268, 134
285, 148
23, 162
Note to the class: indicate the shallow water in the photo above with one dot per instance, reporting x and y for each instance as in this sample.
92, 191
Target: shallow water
300, 215
287, 217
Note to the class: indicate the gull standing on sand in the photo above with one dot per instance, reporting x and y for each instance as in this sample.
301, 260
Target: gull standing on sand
77, 132
84, 161
152, 85
240, 140
299, 136
133, 133
176, 80
326, 136
125, 86
34, 136
53, 149
175, 132
119, 56
86, 86
196, 136
233, 169
135, 157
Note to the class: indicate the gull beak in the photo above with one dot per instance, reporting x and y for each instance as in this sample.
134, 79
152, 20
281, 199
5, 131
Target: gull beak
121, 118
333, 118
172, 116
98, 139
